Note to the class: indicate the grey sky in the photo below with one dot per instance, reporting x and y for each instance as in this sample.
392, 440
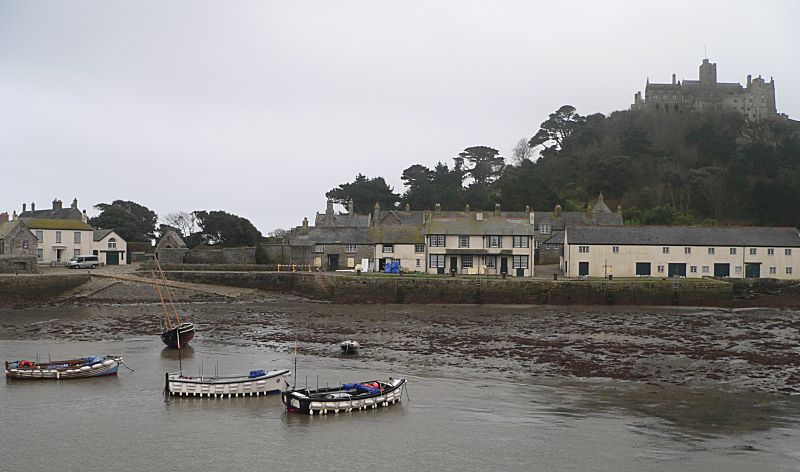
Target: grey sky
259, 108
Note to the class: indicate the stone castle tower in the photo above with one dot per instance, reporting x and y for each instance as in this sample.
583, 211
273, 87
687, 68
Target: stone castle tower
756, 101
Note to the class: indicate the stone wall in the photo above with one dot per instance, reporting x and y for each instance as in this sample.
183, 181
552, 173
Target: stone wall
228, 255
171, 255
19, 264
303, 284
21, 290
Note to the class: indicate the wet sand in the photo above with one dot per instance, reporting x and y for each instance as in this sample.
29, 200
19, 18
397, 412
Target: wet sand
754, 350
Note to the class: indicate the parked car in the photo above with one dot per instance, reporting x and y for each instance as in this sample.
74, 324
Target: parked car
83, 262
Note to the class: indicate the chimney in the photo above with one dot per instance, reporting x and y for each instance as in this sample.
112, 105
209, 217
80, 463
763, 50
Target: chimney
466, 208
24, 207
56, 204
557, 211
619, 209
749, 80
350, 207
479, 215
329, 207
673, 79
74, 204
305, 222
14, 216
4, 217
376, 212
496, 209
408, 207
84, 216
33, 206
437, 210
426, 216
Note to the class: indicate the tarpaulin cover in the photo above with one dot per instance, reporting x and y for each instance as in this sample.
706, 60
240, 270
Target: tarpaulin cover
257, 373
362, 388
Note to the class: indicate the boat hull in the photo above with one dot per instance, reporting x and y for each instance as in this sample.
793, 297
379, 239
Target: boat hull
271, 382
307, 402
105, 367
179, 336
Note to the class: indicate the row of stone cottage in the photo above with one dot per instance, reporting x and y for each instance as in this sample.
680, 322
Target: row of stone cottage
54, 236
593, 243
437, 242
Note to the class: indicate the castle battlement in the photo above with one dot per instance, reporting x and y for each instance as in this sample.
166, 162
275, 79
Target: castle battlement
756, 100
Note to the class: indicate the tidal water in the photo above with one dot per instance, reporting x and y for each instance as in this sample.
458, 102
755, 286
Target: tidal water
450, 420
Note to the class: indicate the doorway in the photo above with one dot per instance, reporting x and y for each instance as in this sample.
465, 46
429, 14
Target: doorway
722, 270
333, 261
676, 269
112, 258
752, 270
453, 264
583, 269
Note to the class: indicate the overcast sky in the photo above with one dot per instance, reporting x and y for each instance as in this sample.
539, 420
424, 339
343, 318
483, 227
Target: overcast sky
260, 107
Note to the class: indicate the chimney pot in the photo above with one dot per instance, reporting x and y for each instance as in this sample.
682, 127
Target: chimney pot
408, 207
57, 204
329, 207
4, 217
497, 209
33, 206
557, 211
305, 222
673, 79
75, 204
24, 207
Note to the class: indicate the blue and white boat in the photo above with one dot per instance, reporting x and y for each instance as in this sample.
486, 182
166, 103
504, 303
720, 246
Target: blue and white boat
257, 383
91, 366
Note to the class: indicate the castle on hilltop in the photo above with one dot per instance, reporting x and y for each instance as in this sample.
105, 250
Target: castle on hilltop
756, 101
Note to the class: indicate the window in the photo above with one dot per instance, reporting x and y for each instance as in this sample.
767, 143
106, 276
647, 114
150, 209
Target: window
544, 228
466, 262
437, 240
520, 262
350, 248
752, 251
788, 270
773, 270
687, 250
711, 251
112, 243
665, 250
39, 235
76, 238
494, 241
40, 254
76, 253
693, 269
660, 268
583, 249
733, 251
58, 237
537, 244
463, 241
615, 249
419, 262
388, 248
738, 270
705, 269
319, 248
24, 244
787, 252
547, 247
490, 261
520, 241
437, 260
771, 251
419, 248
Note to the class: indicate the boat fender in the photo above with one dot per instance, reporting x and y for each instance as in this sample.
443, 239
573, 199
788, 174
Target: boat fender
85, 368
26, 363
97, 366
108, 362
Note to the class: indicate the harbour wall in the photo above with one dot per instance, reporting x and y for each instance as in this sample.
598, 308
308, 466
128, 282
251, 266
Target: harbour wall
37, 288
358, 289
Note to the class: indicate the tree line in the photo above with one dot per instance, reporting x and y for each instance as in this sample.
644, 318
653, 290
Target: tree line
686, 168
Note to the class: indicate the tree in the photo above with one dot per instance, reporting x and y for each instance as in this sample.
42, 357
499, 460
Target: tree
521, 152
364, 193
486, 164
557, 128
184, 222
224, 229
133, 222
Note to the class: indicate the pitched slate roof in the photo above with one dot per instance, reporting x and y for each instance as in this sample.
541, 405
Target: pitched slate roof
333, 235
470, 225
6, 227
751, 236
46, 223
52, 214
99, 234
556, 238
342, 220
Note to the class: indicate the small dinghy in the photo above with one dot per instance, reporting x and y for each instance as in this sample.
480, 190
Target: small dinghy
91, 366
258, 382
348, 397
350, 346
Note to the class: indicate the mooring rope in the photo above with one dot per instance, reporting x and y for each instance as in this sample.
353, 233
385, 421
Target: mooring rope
126, 366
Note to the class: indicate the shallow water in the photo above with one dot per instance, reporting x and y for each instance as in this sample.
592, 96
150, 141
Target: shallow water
453, 419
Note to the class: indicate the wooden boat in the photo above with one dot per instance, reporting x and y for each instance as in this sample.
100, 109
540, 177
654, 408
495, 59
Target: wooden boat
177, 332
349, 346
179, 336
258, 382
91, 366
347, 397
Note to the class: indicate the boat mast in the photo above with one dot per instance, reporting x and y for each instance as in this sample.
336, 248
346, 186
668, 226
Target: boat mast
163, 303
168, 292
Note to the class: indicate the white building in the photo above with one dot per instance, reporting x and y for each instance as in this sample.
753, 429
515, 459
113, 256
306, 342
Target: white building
682, 251
480, 243
397, 236
109, 247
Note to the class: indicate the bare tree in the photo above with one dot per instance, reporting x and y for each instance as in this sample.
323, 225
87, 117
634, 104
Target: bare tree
521, 152
184, 221
278, 233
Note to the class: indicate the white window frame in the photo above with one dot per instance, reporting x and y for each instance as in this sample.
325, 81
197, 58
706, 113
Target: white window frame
519, 262
58, 237
40, 235
583, 249
466, 262
771, 251
706, 269
712, 251
351, 248
419, 262
665, 250
520, 241
76, 252
787, 252
693, 269
387, 248
788, 270
319, 248
490, 262
76, 237
437, 261
419, 248
40, 254
737, 270
463, 241
753, 251
615, 249
687, 250
112, 243
437, 240
544, 228
660, 269
494, 241
773, 270
732, 251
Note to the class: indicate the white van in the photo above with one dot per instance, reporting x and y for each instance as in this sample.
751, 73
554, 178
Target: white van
83, 262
